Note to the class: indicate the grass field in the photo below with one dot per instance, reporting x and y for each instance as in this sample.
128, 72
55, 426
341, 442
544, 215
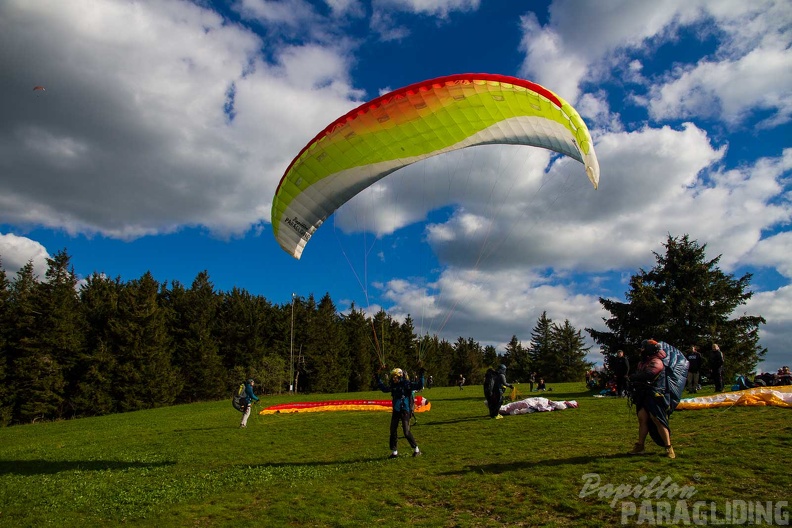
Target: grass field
191, 465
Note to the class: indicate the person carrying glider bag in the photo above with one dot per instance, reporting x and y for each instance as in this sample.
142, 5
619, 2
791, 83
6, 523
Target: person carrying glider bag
401, 389
494, 385
655, 390
247, 402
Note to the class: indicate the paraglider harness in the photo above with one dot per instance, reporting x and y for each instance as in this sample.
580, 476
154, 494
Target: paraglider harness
490, 380
239, 398
674, 372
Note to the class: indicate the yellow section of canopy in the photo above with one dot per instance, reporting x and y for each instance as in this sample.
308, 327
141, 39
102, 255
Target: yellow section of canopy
780, 396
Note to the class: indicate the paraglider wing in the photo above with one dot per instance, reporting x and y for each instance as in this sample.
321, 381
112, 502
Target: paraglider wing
415, 123
38, 89
421, 405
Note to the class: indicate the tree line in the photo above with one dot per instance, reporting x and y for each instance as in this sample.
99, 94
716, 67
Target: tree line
107, 346
110, 346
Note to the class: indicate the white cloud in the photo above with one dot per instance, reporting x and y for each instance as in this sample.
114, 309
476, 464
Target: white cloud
774, 252
439, 8
774, 307
750, 71
729, 90
156, 116
16, 251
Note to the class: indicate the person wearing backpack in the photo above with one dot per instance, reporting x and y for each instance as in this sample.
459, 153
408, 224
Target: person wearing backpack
649, 398
494, 384
247, 402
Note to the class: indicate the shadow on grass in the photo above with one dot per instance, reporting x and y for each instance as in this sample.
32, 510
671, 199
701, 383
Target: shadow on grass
189, 429
457, 420
50, 467
315, 463
505, 467
473, 397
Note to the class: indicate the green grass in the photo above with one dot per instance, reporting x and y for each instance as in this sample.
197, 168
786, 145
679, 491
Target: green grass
191, 465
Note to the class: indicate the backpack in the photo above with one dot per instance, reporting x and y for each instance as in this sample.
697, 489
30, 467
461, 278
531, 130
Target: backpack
238, 399
675, 374
490, 378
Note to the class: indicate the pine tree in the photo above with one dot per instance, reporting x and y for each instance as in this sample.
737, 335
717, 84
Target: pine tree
196, 350
61, 326
490, 356
517, 360
37, 378
685, 300
96, 367
6, 387
570, 352
363, 360
326, 350
145, 376
541, 352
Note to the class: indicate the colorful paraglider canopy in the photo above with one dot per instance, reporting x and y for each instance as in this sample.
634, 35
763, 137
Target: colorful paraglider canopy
412, 124
38, 89
755, 397
421, 405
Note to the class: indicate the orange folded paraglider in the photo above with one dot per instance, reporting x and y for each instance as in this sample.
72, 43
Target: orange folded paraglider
756, 397
421, 405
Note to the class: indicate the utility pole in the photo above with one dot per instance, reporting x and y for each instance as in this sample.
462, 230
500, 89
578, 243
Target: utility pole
291, 362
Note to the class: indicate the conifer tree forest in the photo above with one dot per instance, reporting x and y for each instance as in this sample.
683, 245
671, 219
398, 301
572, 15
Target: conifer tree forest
72, 348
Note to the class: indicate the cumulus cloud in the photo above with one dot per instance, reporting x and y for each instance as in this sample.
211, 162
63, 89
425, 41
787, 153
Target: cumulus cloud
16, 251
750, 70
163, 128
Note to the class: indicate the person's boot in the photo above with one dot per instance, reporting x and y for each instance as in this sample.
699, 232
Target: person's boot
638, 449
670, 452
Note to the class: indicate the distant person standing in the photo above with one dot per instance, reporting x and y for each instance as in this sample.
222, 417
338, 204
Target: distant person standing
716, 362
531, 381
694, 368
248, 402
461, 381
621, 368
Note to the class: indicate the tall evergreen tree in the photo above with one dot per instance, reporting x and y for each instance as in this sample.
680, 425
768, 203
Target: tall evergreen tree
6, 385
490, 356
326, 350
685, 300
145, 376
96, 367
468, 360
541, 356
38, 379
61, 325
517, 360
437, 359
570, 352
363, 359
196, 350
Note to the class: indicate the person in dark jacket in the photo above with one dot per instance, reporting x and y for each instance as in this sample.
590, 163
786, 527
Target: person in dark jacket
621, 369
247, 402
401, 389
694, 369
649, 402
716, 366
495, 400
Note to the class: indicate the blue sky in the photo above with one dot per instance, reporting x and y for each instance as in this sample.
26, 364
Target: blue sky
166, 125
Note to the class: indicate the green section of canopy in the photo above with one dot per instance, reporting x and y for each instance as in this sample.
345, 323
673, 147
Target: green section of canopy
412, 124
